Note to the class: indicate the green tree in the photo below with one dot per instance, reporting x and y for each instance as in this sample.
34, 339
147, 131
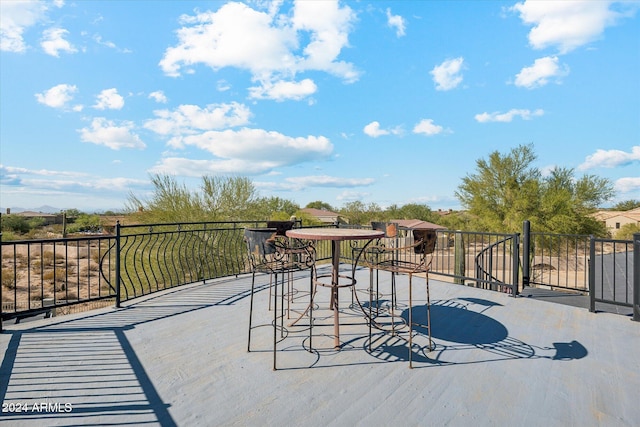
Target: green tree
507, 189
627, 231
626, 205
15, 223
218, 199
230, 198
318, 204
170, 202
359, 213
276, 208
503, 191
85, 222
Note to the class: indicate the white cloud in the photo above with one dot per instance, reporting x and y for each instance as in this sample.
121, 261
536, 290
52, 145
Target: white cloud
568, 25
58, 96
53, 42
352, 196
611, 158
106, 132
109, 99
198, 167
626, 185
540, 72
223, 85
427, 127
259, 146
15, 18
158, 96
267, 44
190, 119
397, 22
373, 130
284, 90
329, 181
508, 116
448, 75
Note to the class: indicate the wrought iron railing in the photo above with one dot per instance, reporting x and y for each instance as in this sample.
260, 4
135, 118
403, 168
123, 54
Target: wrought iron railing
612, 270
48, 274
40, 275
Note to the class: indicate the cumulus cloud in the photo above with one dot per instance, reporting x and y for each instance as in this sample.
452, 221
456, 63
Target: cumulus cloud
329, 181
190, 119
284, 90
15, 18
427, 127
626, 185
53, 42
260, 146
508, 116
448, 75
611, 158
109, 99
568, 25
158, 96
374, 130
58, 96
267, 44
108, 133
397, 22
299, 183
539, 74
352, 196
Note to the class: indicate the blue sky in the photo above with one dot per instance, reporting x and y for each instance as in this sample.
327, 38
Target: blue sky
389, 102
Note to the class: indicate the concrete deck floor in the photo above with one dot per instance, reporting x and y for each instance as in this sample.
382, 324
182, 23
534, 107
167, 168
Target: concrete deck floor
179, 358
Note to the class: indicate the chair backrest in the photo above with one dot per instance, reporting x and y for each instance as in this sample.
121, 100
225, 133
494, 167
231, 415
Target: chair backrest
260, 241
281, 226
390, 228
426, 240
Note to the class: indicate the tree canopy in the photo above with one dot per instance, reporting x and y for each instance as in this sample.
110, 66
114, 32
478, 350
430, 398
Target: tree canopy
218, 199
506, 189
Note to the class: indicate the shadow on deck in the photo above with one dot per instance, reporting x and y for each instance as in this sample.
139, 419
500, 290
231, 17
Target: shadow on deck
179, 358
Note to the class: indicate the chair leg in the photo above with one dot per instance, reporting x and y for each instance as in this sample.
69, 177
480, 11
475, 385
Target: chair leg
311, 292
253, 280
275, 321
410, 321
431, 347
270, 283
370, 304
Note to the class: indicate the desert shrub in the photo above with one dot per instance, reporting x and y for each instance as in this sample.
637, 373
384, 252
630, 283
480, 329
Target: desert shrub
9, 279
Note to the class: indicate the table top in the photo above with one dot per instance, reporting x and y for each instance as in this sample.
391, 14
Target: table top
334, 233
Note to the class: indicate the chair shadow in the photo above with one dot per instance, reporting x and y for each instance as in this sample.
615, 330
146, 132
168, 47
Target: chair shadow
464, 333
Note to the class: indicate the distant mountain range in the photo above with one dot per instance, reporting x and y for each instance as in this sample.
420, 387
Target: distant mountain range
42, 209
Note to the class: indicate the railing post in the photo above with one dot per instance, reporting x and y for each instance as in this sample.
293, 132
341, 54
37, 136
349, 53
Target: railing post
526, 248
636, 277
0, 283
458, 258
516, 261
118, 264
592, 274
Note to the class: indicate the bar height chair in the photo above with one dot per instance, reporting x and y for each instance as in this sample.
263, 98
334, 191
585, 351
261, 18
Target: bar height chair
410, 259
277, 256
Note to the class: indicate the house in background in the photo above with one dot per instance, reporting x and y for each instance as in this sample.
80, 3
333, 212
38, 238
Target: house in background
47, 218
324, 216
614, 220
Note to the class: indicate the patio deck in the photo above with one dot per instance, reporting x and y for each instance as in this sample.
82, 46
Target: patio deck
179, 358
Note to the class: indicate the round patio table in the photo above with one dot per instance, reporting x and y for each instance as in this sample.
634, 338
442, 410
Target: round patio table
336, 235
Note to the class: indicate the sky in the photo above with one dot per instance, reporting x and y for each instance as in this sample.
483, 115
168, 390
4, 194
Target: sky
386, 102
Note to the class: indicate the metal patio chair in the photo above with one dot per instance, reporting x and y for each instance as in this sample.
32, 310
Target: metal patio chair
277, 256
411, 260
